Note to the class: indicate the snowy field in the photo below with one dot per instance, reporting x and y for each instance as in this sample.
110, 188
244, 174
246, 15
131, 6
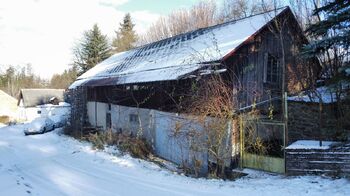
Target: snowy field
53, 164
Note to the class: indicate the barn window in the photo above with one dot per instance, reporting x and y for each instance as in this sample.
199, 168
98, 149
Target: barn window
271, 71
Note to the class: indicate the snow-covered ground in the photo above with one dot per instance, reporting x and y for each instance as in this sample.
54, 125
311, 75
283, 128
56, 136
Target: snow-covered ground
53, 164
311, 144
326, 94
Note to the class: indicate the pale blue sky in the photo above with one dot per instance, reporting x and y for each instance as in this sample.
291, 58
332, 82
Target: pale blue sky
43, 32
156, 6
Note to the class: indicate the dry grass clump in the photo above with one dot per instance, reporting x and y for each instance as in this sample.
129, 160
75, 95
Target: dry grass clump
137, 147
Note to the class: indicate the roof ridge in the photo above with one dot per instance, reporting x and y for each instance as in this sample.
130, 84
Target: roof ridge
42, 89
209, 27
194, 47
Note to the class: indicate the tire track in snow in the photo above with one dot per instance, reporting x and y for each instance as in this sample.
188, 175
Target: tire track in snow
130, 179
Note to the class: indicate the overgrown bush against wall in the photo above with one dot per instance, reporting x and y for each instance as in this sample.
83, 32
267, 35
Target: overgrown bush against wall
212, 107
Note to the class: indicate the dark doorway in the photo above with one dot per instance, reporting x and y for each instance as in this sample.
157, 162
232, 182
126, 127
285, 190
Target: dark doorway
108, 121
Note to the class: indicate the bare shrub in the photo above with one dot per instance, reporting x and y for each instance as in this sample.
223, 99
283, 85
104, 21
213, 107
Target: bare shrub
97, 140
213, 108
70, 131
137, 147
4, 119
201, 15
252, 142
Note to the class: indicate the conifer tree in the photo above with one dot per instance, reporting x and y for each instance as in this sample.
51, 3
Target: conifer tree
126, 36
331, 39
93, 49
330, 45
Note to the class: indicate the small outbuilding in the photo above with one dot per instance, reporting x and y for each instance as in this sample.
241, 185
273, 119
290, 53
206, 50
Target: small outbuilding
31, 102
8, 107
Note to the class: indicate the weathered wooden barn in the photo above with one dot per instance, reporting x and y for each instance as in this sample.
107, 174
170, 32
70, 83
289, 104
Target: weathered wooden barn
146, 86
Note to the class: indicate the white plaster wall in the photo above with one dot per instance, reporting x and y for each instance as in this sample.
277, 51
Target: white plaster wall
30, 113
24, 114
102, 109
121, 121
53, 110
101, 114
157, 129
21, 113
91, 112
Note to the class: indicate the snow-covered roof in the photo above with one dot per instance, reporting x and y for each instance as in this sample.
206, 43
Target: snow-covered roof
8, 104
35, 97
311, 144
49, 105
175, 57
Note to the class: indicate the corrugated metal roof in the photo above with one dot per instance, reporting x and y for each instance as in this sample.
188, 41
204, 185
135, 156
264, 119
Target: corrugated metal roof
174, 57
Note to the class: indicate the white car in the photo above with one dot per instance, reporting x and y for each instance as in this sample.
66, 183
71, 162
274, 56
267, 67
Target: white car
59, 120
39, 125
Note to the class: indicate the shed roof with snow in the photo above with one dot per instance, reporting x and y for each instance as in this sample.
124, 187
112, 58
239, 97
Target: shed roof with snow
8, 104
35, 97
176, 57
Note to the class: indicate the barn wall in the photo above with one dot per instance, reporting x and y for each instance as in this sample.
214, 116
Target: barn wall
29, 113
159, 129
143, 123
120, 117
247, 64
53, 110
177, 145
156, 128
100, 115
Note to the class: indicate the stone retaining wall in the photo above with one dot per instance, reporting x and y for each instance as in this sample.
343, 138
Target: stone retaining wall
304, 123
334, 161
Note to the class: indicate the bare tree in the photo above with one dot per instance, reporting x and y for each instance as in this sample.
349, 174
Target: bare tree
278, 27
198, 16
303, 10
236, 9
201, 15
